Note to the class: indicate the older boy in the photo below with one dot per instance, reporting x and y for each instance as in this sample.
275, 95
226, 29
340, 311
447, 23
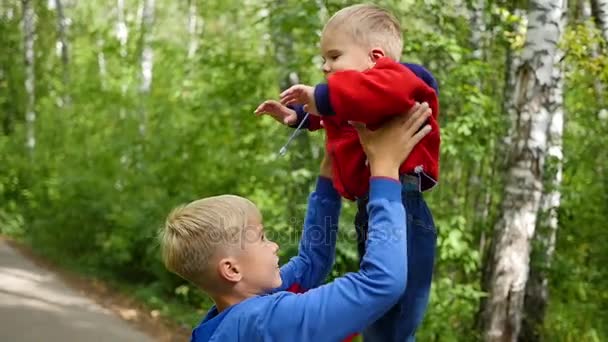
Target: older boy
218, 244
361, 46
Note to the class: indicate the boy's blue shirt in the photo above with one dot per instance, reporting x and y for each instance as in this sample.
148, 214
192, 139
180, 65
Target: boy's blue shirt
318, 315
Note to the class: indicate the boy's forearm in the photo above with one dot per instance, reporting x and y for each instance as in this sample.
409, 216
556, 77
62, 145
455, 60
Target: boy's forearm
364, 296
318, 242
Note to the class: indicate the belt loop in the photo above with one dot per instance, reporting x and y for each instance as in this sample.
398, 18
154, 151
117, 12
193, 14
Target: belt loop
410, 182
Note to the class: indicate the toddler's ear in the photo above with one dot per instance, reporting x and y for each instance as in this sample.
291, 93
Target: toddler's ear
376, 54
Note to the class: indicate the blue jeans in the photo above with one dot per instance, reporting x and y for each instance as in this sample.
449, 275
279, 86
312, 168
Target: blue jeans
402, 320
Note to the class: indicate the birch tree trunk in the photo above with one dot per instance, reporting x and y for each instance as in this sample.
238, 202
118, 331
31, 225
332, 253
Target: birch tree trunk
475, 181
599, 9
195, 29
147, 59
478, 27
509, 265
512, 61
195, 24
63, 46
122, 34
537, 288
30, 76
101, 61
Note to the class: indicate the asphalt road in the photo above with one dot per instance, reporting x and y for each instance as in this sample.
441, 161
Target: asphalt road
35, 306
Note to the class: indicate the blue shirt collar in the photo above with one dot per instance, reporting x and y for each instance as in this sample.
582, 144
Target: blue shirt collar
207, 327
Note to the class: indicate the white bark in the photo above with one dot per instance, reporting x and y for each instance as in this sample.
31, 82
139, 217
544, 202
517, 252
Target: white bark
478, 27
101, 62
62, 24
195, 24
147, 56
599, 10
537, 290
30, 76
515, 229
600, 13
122, 32
323, 14
475, 181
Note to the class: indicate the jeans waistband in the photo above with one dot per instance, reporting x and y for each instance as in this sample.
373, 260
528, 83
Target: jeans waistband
409, 183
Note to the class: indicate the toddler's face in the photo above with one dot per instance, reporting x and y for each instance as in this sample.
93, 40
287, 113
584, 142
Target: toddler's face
341, 52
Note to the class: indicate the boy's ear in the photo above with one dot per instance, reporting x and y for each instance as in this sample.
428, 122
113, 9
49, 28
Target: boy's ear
229, 270
376, 53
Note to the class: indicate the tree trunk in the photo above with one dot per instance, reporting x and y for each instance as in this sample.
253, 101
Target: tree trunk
63, 43
195, 23
478, 27
476, 176
509, 265
101, 62
499, 163
147, 59
537, 288
30, 76
599, 9
122, 34
195, 29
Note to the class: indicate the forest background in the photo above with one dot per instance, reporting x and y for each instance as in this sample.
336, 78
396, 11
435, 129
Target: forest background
114, 112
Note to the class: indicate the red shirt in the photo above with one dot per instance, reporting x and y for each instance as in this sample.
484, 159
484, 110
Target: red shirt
372, 97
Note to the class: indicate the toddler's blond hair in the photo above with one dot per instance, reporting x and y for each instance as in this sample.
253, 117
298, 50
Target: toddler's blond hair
370, 25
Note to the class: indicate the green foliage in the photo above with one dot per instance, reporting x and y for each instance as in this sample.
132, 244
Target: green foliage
579, 304
95, 190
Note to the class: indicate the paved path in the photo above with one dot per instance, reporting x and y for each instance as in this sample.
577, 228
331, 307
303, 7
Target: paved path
36, 306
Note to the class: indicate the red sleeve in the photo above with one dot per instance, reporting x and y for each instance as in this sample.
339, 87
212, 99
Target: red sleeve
387, 89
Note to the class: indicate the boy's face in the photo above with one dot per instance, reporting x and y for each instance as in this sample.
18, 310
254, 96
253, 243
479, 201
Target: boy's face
259, 260
341, 52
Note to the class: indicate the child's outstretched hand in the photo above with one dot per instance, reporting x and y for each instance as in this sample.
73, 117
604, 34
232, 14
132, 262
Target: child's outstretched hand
278, 111
301, 94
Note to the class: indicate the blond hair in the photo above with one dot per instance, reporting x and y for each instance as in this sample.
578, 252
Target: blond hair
194, 233
370, 25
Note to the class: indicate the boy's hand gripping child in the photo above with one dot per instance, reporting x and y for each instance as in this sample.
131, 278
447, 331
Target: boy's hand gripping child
220, 246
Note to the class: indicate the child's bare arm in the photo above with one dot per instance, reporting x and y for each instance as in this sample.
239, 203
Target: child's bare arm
288, 115
277, 111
